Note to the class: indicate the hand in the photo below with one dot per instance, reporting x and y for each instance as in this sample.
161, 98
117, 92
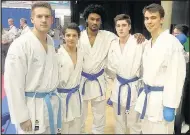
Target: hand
26, 126
3, 42
140, 38
169, 114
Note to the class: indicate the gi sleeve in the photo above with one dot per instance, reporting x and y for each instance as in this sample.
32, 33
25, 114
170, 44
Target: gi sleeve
110, 66
15, 73
175, 76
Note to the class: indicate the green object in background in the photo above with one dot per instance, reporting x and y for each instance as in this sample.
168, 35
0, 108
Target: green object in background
186, 45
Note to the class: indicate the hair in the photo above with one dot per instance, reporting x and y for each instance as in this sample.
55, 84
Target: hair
41, 4
24, 20
73, 26
183, 28
123, 17
11, 19
98, 9
155, 8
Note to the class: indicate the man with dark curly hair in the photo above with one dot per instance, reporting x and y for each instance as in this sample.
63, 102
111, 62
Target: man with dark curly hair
95, 44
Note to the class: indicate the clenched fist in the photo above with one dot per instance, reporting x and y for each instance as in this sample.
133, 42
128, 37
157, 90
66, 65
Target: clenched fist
26, 126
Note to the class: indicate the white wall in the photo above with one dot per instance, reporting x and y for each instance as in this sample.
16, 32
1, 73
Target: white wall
60, 13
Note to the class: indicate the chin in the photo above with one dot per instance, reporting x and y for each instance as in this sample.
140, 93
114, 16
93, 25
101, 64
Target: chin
70, 45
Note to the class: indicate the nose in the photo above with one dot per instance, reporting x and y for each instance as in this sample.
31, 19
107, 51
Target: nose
71, 37
43, 19
95, 22
149, 21
120, 28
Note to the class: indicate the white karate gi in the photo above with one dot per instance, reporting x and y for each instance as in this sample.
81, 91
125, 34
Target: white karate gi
69, 77
94, 62
126, 64
163, 66
28, 68
12, 32
25, 29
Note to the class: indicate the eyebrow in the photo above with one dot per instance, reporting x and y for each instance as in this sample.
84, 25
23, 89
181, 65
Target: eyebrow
150, 16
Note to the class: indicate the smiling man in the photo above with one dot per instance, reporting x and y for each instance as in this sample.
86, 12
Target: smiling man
163, 75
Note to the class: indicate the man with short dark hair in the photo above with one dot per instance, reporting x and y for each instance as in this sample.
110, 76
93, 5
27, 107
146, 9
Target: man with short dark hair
163, 75
70, 59
125, 60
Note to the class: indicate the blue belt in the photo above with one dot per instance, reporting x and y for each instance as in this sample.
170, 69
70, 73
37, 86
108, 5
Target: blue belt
147, 89
70, 92
47, 97
92, 77
123, 82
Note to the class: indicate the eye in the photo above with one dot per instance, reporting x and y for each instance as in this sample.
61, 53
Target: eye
47, 16
39, 16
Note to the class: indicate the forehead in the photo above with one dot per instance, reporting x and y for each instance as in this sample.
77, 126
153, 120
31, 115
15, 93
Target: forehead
71, 31
41, 11
122, 22
151, 14
10, 20
176, 30
94, 15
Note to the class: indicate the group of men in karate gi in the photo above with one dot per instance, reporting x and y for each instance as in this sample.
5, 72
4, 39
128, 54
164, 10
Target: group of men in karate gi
48, 92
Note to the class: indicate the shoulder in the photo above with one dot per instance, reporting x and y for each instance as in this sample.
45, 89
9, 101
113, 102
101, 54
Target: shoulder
170, 42
114, 43
107, 32
82, 33
19, 45
50, 39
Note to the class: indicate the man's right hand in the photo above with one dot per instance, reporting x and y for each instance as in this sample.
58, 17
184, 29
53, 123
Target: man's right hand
26, 126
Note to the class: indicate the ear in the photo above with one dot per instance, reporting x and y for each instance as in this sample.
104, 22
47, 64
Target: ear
32, 20
162, 20
130, 27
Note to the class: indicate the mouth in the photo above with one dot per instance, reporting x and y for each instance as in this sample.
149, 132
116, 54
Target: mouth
94, 26
70, 42
150, 27
43, 25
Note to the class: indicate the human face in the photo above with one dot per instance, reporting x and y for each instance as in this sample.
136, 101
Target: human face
21, 23
10, 22
122, 28
176, 32
94, 21
71, 37
152, 21
42, 19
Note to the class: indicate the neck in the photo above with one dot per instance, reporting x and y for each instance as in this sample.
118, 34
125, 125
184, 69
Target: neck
123, 40
24, 25
40, 35
155, 34
91, 33
71, 49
